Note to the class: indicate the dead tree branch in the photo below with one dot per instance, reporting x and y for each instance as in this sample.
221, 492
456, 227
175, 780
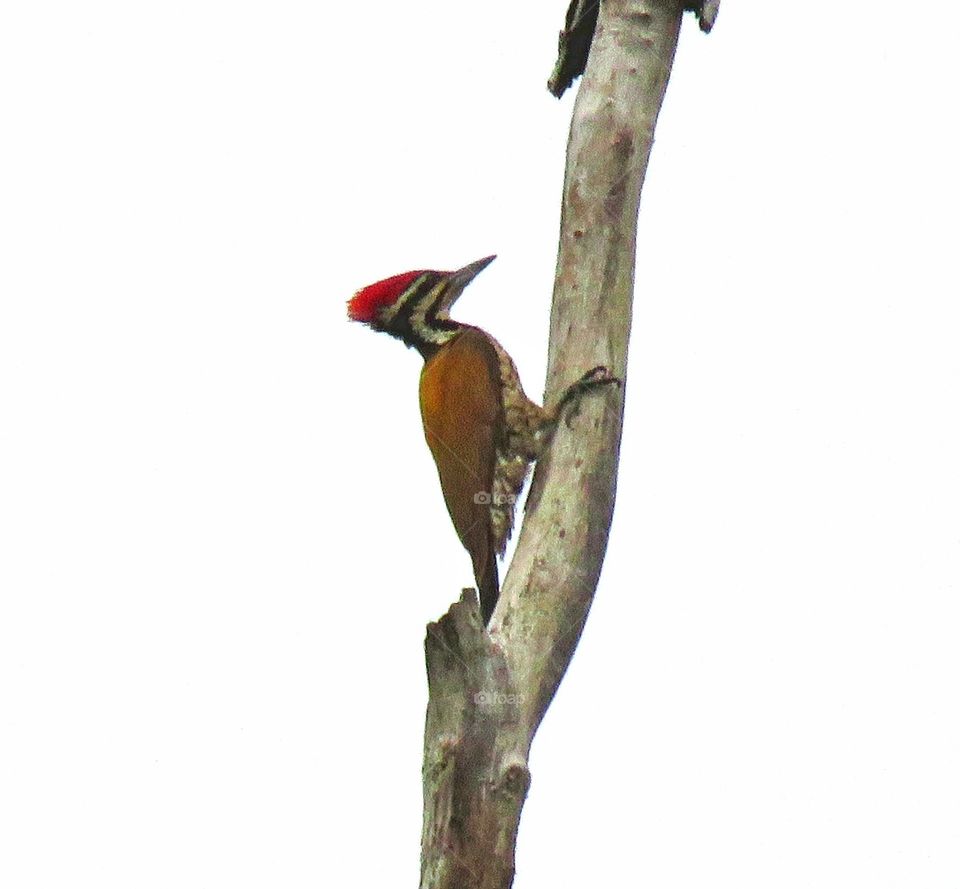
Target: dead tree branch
490, 690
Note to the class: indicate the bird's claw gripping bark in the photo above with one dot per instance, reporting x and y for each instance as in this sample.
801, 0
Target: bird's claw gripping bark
593, 378
598, 376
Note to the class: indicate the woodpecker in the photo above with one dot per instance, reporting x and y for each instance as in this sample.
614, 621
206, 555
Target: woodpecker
483, 431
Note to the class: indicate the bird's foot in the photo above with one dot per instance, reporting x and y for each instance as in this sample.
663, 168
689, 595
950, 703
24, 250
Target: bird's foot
592, 379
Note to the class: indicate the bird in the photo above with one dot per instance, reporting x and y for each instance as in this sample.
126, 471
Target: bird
483, 431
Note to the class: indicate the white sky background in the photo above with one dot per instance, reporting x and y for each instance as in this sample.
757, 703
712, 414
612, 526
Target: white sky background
221, 533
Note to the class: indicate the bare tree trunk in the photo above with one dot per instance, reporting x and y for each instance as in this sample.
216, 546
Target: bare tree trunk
489, 691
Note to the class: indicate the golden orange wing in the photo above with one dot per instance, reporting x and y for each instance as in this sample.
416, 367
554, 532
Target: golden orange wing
460, 402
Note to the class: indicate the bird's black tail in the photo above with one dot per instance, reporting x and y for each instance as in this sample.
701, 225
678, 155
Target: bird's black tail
488, 585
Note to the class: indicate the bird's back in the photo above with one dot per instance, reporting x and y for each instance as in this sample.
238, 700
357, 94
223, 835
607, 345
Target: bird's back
461, 406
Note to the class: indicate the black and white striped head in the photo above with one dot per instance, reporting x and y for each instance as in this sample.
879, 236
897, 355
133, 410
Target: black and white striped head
415, 306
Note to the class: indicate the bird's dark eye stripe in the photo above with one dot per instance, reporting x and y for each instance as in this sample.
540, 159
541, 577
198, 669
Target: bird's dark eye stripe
408, 301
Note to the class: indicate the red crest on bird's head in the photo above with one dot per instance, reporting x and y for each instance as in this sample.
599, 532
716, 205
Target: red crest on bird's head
366, 303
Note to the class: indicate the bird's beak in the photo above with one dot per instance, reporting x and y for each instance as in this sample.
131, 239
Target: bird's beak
469, 272
462, 277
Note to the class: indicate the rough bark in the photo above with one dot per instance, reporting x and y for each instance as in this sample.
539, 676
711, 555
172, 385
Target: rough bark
490, 689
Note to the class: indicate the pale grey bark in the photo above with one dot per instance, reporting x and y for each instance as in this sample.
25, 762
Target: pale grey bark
489, 691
